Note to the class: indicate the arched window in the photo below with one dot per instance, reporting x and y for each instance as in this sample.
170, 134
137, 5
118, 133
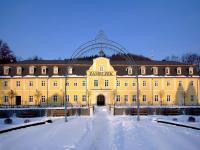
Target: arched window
31, 69
143, 70
55, 70
19, 70
167, 70
155, 70
129, 70
191, 70
179, 70
43, 69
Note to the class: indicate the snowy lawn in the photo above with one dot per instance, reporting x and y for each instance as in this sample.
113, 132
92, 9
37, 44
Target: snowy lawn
102, 131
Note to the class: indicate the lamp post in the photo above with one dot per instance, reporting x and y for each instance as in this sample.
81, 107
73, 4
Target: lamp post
65, 100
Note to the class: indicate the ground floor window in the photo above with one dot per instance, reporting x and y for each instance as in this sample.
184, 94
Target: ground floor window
144, 98
156, 98
126, 98
43, 99
67, 98
168, 98
5, 99
134, 98
192, 98
30, 98
118, 98
83, 98
75, 98
55, 98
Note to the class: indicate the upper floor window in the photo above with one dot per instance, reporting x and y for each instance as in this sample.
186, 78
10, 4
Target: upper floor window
191, 83
31, 70
143, 70
55, 70
134, 83
155, 70
19, 70
83, 98
43, 70
96, 83
179, 70
5, 83
6, 70
144, 83
55, 83
156, 83
69, 70
30, 83
126, 83
118, 83
167, 70
179, 83
84, 83
190, 70
75, 83
168, 83
43, 83
17, 83
129, 70
101, 69
106, 83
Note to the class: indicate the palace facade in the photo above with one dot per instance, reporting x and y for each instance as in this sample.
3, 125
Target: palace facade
102, 81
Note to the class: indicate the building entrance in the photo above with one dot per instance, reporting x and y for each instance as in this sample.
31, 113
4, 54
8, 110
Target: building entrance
100, 100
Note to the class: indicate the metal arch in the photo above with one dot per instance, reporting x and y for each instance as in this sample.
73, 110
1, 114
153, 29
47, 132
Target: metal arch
111, 45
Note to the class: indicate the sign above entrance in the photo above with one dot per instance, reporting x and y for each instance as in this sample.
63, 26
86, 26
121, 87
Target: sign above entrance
96, 73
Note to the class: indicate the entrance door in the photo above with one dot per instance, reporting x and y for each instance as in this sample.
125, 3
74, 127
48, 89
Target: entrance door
100, 100
18, 100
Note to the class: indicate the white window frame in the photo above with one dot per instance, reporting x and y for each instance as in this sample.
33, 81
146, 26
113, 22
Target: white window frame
75, 98
19, 70
96, 83
106, 83
17, 83
167, 70
55, 70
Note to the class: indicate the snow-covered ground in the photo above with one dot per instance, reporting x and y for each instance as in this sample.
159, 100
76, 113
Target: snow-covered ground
103, 132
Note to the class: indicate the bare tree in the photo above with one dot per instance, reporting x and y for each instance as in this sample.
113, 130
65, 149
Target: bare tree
6, 55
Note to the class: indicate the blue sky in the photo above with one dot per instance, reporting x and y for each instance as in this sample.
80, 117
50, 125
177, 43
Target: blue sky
55, 28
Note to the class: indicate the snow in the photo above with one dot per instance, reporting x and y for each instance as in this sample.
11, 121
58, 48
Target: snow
101, 132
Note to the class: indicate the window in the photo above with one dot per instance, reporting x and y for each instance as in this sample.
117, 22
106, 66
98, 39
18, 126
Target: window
55, 98
118, 98
192, 98
31, 70
134, 83
168, 98
134, 98
129, 70
179, 70
43, 83
126, 83
95, 82
43, 99
106, 83
5, 83
143, 70
155, 70
69, 70
156, 83
19, 70
43, 70
30, 83
17, 83
75, 98
83, 83
83, 98
144, 98
6, 70
118, 83
67, 83
168, 83
167, 70
101, 69
156, 98
192, 83
126, 98
55, 70
179, 83
144, 83
190, 70
75, 83
67, 98
30, 98
5, 99
55, 83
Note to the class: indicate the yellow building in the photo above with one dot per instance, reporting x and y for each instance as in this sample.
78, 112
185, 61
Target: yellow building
101, 81
43, 83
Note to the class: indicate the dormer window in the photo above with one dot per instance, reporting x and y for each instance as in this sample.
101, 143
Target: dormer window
31, 69
55, 70
19, 70
44, 69
191, 71
69, 70
179, 70
6, 70
167, 70
155, 70
129, 70
143, 70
